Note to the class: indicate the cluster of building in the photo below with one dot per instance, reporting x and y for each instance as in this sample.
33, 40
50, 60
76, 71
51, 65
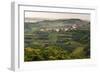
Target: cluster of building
60, 28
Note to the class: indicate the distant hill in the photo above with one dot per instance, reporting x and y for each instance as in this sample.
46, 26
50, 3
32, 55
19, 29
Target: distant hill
65, 23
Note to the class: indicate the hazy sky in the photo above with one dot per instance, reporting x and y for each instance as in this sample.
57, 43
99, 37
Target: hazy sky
52, 16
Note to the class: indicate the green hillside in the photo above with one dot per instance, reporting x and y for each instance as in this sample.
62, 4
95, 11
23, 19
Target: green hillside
57, 40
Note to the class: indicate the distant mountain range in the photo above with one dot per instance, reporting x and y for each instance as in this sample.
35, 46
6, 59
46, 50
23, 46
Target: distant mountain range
55, 24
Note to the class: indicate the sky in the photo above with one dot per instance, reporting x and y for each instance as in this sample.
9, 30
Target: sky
54, 16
